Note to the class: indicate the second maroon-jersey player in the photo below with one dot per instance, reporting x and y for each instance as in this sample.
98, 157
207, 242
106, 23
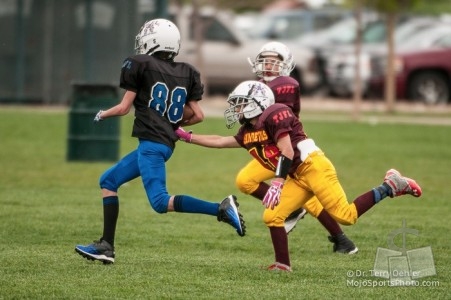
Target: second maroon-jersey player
273, 66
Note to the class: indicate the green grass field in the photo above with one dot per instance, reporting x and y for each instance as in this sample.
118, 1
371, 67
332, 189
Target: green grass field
48, 205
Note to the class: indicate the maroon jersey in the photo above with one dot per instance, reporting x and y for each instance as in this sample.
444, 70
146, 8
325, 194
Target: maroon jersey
287, 91
261, 139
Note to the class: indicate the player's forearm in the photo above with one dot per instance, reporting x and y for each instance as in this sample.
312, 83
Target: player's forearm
214, 141
122, 108
118, 110
193, 120
111, 112
197, 115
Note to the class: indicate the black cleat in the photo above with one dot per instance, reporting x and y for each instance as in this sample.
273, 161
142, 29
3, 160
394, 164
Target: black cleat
342, 244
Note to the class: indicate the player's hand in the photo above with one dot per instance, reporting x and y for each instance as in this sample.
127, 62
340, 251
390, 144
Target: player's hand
184, 135
272, 196
98, 117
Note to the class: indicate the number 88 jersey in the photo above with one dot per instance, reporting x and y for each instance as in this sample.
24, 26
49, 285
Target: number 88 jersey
162, 89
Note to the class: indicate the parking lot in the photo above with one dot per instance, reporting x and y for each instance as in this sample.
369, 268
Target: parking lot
333, 109
218, 42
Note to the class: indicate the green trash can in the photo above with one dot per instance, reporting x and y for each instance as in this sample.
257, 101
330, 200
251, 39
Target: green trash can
89, 141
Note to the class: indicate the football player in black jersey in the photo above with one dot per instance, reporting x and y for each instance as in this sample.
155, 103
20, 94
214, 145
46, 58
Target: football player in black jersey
159, 89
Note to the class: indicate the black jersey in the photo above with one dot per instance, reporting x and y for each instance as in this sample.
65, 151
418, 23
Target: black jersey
162, 90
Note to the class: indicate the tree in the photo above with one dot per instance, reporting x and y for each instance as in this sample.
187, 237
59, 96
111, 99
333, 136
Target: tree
392, 9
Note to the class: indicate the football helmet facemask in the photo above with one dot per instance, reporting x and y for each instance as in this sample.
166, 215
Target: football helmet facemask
158, 35
273, 60
248, 100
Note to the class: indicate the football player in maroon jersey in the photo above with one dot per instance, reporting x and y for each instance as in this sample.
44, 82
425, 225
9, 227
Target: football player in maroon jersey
275, 137
273, 65
159, 89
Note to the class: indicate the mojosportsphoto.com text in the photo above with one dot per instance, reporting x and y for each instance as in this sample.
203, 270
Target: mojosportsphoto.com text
362, 283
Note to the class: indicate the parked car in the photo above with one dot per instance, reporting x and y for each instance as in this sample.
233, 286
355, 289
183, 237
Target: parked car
245, 22
293, 24
341, 32
423, 68
341, 63
339, 39
222, 55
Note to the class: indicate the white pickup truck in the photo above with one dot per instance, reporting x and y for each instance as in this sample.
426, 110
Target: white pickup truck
220, 52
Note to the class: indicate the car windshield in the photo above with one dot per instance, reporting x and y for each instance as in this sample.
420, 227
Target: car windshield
278, 27
342, 32
374, 32
404, 31
427, 38
292, 25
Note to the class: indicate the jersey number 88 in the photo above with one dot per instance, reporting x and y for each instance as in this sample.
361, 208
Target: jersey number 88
169, 104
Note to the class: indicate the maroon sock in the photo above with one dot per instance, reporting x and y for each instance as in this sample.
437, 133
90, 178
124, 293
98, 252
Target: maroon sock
260, 192
329, 223
364, 202
280, 242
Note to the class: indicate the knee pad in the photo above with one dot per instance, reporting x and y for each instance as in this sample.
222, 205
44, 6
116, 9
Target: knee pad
271, 219
345, 219
159, 203
245, 184
313, 207
108, 181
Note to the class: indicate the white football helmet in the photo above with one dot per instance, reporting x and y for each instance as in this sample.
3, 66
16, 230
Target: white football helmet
158, 35
248, 100
273, 60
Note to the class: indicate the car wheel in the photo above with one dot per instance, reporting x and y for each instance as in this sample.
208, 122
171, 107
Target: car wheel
430, 87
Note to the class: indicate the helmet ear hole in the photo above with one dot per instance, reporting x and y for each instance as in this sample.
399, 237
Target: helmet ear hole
247, 101
158, 35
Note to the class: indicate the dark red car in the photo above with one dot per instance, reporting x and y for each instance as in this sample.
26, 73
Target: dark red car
422, 73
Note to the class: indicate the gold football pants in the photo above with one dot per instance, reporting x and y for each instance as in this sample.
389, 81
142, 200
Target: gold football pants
316, 176
253, 173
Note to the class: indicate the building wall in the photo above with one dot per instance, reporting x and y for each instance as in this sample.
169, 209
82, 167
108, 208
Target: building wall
46, 45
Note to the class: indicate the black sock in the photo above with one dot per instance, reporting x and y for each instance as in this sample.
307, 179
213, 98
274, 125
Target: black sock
110, 215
